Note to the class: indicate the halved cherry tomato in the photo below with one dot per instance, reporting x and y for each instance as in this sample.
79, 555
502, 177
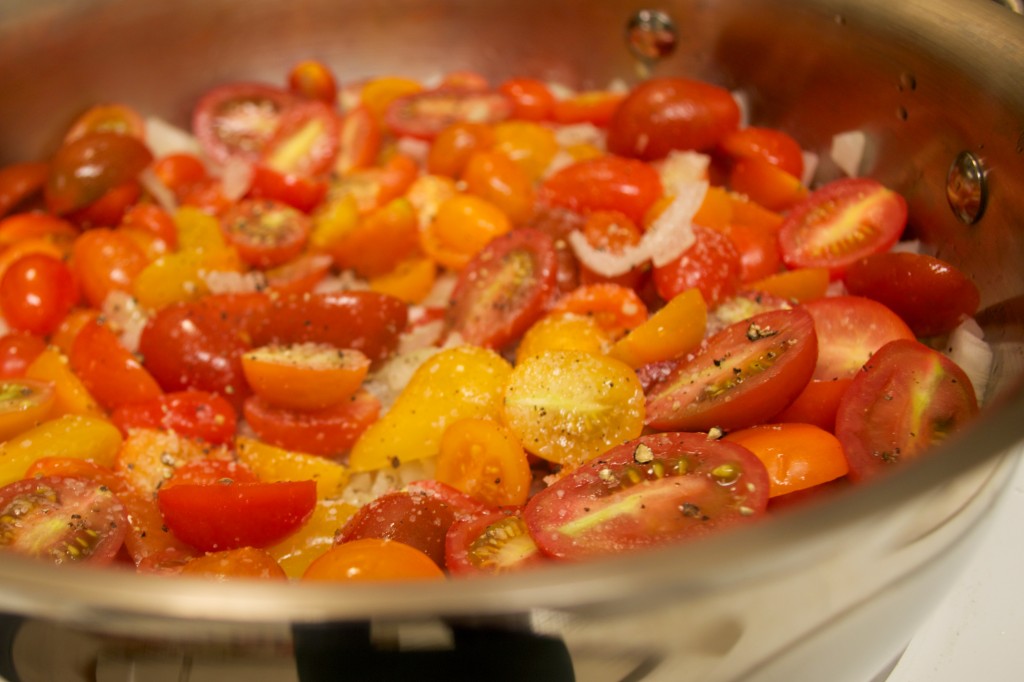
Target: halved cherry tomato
532, 100
770, 144
596, 107
563, 331
604, 183
105, 261
483, 459
908, 398
109, 209
239, 119
817, 404
766, 183
299, 276
489, 542
149, 457
313, 79
746, 375
265, 232
72, 467
503, 182
330, 431
84, 170
228, 516
648, 492
109, 371
379, 241
360, 141
301, 192
850, 329
22, 227
373, 559
306, 140
244, 562
711, 264
21, 181
800, 285
617, 309
304, 376
930, 295
64, 520
453, 146
17, 351
672, 331
463, 226
504, 289
425, 114
24, 403
107, 118
194, 414
663, 114
797, 456
180, 171
463, 505
841, 223
36, 293
210, 472
419, 520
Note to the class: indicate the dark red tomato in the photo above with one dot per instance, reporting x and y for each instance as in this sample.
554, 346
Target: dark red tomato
774, 146
84, 170
329, 432
195, 414
746, 374
504, 289
559, 223
649, 492
605, 183
664, 114
109, 210
298, 191
64, 520
112, 374
306, 140
218, 517
265, 232
17, 351
841, 223
462, 504
492, 541
850, 329
930, 295
711, 264
531, 99
425, 114
36, 293
419, 520
908, 398
21, 181
239, 119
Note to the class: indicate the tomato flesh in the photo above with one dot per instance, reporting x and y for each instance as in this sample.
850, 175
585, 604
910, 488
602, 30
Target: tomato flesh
239, 120
489, 542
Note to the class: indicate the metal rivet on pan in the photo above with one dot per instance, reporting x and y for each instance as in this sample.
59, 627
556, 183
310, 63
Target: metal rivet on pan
651, 35
966, 188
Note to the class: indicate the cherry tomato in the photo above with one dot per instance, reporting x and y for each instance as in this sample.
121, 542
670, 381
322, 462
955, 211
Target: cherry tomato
106, 260
84, 170
36, 293
107, 118
210, 472
596, 107
774, 146
664, 114
109, 210
747, 374
908, 398
24, 403
648, 492
153, 220
299, 276
465, 81
503, 182
109, 371
306, 140
759, 251
180, 171
930, 295
425, 114
313, 79
672, 331
463, 226
22, 227
148, 537
504, 289
531, 99
244, 562
483, 459
797, 456
21, 181
373, 559
711, 264
239, 119
301, 192
817, 404
229, 516
841, 223
17, 351
608, 183
453, 146
194, 414
489, 542
304, 376
850, 329
265, 232
360, 141
64, 520
766, 183
329, 432
462, 504
419, 520
617, 309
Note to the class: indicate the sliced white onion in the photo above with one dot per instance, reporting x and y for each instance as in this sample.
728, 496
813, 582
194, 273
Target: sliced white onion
163, 138
683, 167
968, 349
413, 148
126, 317
811, 160
4, 328
848, 151
579, 133
158, 190
560, 90
742, 99
231, 282
909, 246
441, 293
236, 178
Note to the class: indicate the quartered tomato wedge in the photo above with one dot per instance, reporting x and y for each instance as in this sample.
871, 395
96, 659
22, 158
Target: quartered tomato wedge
306, 141
649, 492
239, 120
747, 374
425, 114
84, 170
305, 376
908, 398
330, 431
265, 232
489, 542
841, 223
504, 289
417, 519
65, 520
195, 414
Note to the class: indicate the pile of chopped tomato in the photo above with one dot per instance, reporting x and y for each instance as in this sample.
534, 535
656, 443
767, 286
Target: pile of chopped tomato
401, 331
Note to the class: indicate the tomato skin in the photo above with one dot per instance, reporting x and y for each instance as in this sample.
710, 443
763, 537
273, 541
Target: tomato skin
648, 492
531, 98
774, 146
610, 183
840, 223
517, 269
106, 260
817, 404
113, 118
17, 351
665, 114
419, 520
65, 520
36, 293
930, 295
194, 414
244, 562
908, 398
797, 456
425, 114
747, 374
84, 170
372, 559
711, 264
221, 517
20, 181
313, 79
329, 432
109, 371
490, 542
265, 232
256, 109
304, 376
298, 191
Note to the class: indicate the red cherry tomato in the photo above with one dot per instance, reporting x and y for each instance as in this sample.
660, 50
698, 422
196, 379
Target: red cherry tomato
195, 414
229, 516
154, 221
758, 249
774, 146
489, 542
112, 374
19, 182
301, 192
64, 520
419, 520
329, 432
817, 404
239, 119
425, 114
17, 351
265, 232
841, 223
648, 492
532, 100
609, 183
908, 398
179, 172
84, 170
36, 293
711, 264
746, 374
360, 141
930, 295
664, 114
462, 504
504, 289
306, 140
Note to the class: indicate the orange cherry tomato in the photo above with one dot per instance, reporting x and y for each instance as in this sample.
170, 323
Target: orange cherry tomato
594, 106
380, 240
112, 374
453, 146
672, 331
503, 182
801, 284
372, 559
463, 226
305, 376
483, 459
244, 562
36, 225
817, 404
106, 260
616, 308
797, 456
313, 79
